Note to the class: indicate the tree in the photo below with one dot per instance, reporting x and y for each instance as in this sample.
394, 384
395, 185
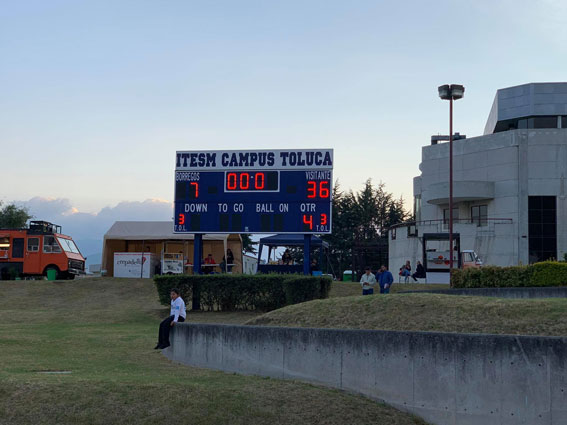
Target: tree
248, 244
360, 224
13, 217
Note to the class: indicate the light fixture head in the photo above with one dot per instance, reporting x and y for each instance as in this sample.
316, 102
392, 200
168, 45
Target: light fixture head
445, 92
457, 91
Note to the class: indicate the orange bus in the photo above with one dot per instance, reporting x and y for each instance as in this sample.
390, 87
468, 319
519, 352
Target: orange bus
35, 250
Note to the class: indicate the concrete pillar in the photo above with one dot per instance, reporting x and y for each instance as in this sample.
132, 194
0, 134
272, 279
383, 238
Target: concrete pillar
523, 228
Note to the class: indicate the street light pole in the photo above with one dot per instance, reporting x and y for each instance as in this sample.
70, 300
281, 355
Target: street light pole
450, 189
450, 93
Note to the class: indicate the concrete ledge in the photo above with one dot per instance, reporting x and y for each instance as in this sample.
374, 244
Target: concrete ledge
444, 378
532, 292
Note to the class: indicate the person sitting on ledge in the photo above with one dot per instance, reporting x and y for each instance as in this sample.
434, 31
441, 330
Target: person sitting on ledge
177, 314
419, 272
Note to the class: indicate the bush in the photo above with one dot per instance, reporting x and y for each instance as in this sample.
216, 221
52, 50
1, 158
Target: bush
230, 292
547, 273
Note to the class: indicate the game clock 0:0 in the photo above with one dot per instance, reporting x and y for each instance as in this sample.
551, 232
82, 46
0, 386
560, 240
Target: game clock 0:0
251, 181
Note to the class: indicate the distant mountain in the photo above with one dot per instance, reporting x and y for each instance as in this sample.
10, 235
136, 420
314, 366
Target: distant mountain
95, 258
92, 249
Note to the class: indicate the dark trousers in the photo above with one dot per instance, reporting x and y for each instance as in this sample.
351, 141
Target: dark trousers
368, 291
164, 328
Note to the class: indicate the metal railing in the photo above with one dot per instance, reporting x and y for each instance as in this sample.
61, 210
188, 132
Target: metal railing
484, 226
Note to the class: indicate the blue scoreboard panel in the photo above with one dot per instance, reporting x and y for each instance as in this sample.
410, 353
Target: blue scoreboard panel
266, 191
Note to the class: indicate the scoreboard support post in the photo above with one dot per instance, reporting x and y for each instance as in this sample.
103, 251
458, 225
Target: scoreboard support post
197, 255
306, 254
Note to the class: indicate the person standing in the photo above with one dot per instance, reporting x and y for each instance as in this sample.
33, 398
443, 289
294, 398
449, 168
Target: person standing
385, 280
229, 260
177, 314
367, 281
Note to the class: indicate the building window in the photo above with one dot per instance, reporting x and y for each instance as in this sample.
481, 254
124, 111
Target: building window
417, 207
543, 122
393, 233
542, 223
564, 121
479, 215
33, 244
446, 215
412, 231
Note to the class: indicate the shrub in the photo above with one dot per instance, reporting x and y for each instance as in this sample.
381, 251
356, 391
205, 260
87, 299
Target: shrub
548, 273
230, 292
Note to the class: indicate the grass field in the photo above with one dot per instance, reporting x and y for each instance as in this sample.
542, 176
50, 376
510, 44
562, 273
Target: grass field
426, 312
347, 289
103, 331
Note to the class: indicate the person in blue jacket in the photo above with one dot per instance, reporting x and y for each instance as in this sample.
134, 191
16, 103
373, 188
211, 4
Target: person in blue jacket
385, 280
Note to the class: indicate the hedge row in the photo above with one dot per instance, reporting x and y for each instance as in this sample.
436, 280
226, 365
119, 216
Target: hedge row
547, 273
243, 292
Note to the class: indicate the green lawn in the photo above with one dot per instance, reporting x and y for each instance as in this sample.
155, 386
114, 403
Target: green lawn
103, 331
347, 289
426, 312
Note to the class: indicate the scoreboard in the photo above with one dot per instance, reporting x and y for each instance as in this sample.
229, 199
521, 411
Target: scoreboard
260, 191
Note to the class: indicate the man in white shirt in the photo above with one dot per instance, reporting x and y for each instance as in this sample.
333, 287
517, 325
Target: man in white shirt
367, 281
177, 314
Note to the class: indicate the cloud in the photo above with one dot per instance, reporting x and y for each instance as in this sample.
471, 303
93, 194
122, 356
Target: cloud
88, 229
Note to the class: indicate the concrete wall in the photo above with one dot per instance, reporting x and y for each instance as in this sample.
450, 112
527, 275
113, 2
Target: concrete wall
444, 378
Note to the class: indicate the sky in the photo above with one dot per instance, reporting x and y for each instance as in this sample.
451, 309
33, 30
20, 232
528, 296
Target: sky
96, 96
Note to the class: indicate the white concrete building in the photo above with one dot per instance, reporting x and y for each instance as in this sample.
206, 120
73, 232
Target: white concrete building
509, 187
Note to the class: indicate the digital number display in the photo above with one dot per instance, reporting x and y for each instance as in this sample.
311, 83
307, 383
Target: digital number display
318, 189
251, 181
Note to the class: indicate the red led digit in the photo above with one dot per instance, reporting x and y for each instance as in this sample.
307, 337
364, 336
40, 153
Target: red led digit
259, 181
324, 189
244, 181
311, 189
181, 220
196, 186
231, 181
308, 221
323, 219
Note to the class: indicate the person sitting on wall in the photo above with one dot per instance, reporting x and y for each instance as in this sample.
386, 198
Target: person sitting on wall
419, 272
367, 281
405, 271
385, 280
177, 314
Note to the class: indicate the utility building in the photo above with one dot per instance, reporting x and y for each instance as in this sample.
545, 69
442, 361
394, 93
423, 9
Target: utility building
509, 185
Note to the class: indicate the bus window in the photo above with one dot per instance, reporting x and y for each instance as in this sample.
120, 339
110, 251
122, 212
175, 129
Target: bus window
4, 247
33, 244
50, 245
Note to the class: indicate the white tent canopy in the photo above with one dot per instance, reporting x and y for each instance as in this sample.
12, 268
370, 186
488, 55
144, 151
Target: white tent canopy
153, 230
123, 234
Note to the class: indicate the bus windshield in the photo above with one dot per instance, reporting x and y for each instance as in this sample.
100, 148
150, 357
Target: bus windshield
68, 245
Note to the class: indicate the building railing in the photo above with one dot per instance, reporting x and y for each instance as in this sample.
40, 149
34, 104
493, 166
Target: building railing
484, 225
